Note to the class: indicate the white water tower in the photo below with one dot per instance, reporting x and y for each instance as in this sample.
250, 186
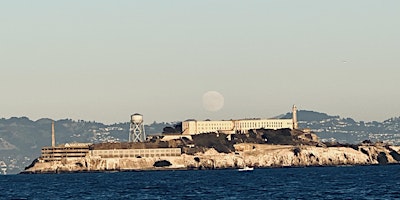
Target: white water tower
136, 131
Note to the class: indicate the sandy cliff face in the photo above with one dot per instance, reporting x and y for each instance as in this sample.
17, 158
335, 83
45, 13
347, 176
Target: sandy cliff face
287, 155
257, 155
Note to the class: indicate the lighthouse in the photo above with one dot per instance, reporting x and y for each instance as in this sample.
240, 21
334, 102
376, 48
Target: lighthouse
294, 118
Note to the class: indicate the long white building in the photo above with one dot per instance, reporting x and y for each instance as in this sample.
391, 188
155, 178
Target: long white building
192, 127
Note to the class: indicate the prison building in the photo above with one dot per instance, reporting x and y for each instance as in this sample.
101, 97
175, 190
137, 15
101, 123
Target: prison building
76, 150
136, 153
192, 127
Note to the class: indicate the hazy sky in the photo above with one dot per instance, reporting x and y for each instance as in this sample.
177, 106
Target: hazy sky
104, 60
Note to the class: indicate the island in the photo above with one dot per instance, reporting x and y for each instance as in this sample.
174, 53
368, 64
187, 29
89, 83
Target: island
261, 148
224, 144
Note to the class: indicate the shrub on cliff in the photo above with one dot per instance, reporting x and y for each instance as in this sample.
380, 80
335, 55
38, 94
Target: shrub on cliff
254, 136
212, 140
296, 151
281, 136
169, 130
382, 158
176, 129
364, 151
337, 144
395, 155
32, 164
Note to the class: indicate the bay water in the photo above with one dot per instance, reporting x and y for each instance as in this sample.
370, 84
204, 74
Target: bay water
352, 182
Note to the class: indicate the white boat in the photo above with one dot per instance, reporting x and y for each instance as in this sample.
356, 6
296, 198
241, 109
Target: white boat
246, 169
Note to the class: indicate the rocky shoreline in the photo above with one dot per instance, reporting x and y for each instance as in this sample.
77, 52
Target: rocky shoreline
246, 154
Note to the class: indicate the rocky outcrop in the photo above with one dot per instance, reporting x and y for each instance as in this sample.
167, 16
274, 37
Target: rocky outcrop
246, 154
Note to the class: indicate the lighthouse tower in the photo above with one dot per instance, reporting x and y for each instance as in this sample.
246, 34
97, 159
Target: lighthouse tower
294, 118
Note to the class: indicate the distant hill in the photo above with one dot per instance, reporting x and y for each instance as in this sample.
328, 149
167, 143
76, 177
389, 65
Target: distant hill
305, 115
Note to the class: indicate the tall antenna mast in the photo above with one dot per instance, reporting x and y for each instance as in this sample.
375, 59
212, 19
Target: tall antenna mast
53, 136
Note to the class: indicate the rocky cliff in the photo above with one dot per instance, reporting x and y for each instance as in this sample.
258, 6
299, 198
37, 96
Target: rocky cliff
249, 154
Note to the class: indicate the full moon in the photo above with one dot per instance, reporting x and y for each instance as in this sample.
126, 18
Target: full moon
213, 101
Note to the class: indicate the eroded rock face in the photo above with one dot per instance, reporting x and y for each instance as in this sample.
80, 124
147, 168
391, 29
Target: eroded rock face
256, 155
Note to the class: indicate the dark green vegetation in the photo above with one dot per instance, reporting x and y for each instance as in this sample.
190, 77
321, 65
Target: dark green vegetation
219, 142
395, 155
175, 129
382, 158
222, 144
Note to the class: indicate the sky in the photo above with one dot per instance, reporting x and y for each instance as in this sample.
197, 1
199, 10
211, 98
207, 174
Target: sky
105, 60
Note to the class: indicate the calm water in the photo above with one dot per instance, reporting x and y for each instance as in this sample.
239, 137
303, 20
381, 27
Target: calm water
366, 182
